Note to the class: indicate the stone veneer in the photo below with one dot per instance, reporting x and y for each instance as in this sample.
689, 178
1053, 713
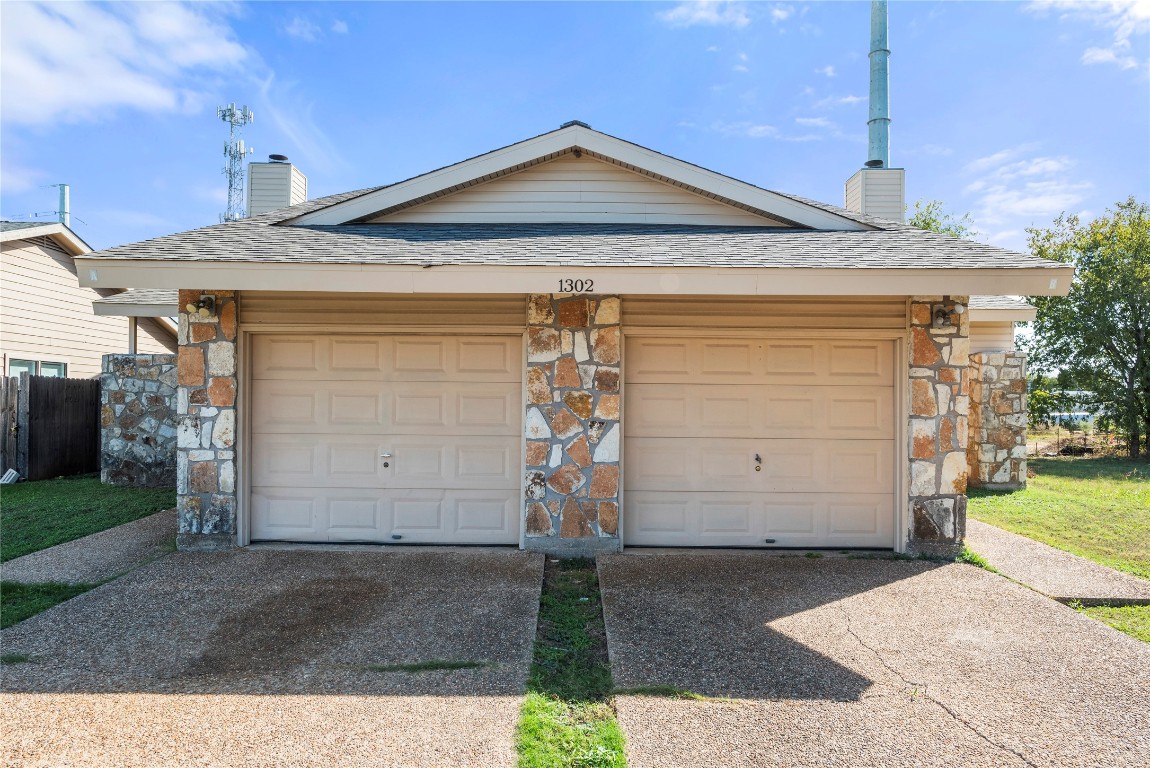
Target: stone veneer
996, 450
939, 407
137, 420
206, 424
572, 426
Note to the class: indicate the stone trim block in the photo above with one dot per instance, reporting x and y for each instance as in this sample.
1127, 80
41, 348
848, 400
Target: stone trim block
138, 420
206, 424
572, 424
996, 447
939, 408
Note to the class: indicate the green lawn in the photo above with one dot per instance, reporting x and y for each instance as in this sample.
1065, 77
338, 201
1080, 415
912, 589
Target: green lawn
1134, 620
1095, 508
41, 514
567, 718
19, 601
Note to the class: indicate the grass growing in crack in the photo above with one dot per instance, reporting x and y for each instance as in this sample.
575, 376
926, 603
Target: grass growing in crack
43, 513
664, 691
19, 601
1134, 620
434, 665
15, 658
567, 718
970, 557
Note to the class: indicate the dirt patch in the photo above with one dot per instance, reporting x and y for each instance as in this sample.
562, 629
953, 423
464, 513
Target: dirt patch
293, 626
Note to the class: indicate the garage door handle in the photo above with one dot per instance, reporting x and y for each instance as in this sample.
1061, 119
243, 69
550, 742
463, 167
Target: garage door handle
385, 457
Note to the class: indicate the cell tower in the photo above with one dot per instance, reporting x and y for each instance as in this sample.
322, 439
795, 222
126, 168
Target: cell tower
235, 152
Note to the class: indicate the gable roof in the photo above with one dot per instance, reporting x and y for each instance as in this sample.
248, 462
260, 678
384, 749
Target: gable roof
64, 237
577, 138
325, 244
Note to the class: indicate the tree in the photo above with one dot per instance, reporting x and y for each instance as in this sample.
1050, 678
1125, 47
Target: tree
1099, 334
929, 214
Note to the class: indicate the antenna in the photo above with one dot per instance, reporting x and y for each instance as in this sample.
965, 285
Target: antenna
235, 152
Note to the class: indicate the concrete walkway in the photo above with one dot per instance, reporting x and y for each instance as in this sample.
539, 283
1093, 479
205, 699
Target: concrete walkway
98, 557
864, 664
1054, 573
269, 658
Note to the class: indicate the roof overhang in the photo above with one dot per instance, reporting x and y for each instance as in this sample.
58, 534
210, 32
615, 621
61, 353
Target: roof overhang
600, 145
494, 279
61, 235
1020, 315
123, 308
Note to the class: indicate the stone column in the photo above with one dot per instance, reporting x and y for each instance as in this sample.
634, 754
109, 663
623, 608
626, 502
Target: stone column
137, 420
572, 426
996, 452
206, 424
939, 407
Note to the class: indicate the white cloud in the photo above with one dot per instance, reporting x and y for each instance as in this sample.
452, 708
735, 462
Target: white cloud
1123, 19
302, 29
1015, 184
291, 113
741, 68
712, 49
932, 150
814, 122
746, 129
18, 178
710, 13
339, 27
839, 101
76, 62
828, 70
781, 13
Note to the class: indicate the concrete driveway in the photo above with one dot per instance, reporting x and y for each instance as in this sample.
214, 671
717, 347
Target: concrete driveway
258, 657
845, 662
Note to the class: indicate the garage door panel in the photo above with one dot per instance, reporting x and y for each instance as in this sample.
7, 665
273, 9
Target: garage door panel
662, 518
416, 461
364, 357
812, 466
673, 410
814, 362
364, 407
415, 516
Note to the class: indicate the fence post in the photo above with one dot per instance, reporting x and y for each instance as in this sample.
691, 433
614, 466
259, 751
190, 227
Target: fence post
22, 424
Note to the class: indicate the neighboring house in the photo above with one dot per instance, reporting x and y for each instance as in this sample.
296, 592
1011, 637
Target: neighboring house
47, 327
575, 343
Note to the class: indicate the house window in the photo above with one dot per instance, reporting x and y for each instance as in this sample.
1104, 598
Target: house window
59, 370
17, 367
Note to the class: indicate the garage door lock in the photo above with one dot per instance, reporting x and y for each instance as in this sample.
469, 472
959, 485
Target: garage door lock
385, 457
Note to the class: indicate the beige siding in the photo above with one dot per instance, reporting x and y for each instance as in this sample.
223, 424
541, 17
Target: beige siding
996, 336
800, 313
381, 309
576, 190
274, 185
46, 316
877, 192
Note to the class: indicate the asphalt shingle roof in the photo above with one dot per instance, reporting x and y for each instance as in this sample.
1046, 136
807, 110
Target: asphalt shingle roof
12, 226
260, 239
143, 296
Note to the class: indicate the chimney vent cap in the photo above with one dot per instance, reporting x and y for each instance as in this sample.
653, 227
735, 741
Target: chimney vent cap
278, 158
874, 163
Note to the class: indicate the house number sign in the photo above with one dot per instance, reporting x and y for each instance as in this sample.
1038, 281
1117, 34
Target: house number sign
571, 285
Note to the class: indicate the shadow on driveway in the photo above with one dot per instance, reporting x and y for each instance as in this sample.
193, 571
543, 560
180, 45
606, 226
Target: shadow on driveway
254, 656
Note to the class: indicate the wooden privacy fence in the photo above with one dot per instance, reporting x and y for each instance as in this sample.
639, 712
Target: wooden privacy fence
51, 426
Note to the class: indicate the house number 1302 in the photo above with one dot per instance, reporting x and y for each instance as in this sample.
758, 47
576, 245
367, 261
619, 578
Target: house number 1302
569, 285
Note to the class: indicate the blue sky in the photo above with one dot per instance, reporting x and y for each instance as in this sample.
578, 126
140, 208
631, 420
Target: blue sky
1013, 112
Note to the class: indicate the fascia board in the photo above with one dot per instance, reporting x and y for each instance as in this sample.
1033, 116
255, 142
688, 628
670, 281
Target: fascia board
122, 309
560, 141
481, 279
63, 236
997, 315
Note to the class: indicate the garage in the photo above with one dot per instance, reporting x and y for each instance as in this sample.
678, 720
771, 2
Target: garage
394, 438
760, 441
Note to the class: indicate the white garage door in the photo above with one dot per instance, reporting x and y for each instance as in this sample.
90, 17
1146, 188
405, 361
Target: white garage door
408, 439
759, 442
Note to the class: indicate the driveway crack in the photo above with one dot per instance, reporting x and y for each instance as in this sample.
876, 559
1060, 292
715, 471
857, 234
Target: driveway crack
926, 693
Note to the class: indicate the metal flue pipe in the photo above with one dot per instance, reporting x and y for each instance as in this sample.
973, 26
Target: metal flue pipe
878, 126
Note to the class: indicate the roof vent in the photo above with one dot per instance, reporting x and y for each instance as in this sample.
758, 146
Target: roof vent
278, 158
570, 123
